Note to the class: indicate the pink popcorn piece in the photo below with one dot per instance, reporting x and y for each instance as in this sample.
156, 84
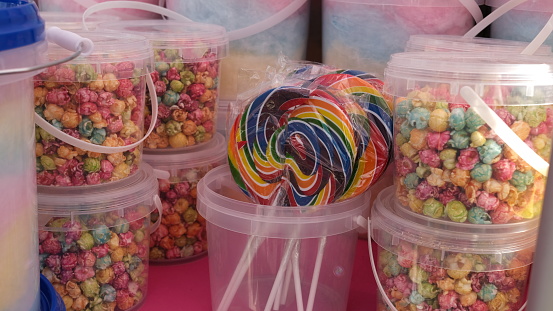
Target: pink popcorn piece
468, 158
437, 140
430, 157
503, 170
487, 201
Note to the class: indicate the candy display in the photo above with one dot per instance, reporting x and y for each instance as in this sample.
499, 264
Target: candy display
432, 266
450, 163
93, 243
98, 99
523, 22
79, 6
262, 46
363, 34
182, 235
186, 78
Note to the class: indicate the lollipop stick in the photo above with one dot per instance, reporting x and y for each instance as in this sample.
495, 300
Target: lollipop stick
297, 283
280, 274
287, 279
316, 274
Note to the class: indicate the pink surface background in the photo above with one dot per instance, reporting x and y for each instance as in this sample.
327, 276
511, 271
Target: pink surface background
186, 286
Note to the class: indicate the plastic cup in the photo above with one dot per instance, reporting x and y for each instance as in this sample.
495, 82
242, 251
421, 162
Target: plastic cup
186, 78
94, 242
472, 136
21, 45
450, 43
91, 112
231, 222
425, 264
523, 22
266, 30
74, 21
362, 34
182, 235
79, 6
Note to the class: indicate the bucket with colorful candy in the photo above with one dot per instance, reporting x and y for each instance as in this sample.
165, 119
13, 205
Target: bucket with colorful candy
93, 241
472, 137
182, 235
431, 264
362, 34
90, 112
187, 79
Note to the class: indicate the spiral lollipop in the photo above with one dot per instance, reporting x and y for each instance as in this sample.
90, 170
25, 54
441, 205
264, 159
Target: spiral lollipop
297, 146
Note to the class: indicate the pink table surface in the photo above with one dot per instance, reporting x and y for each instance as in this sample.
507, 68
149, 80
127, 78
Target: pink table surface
186, 286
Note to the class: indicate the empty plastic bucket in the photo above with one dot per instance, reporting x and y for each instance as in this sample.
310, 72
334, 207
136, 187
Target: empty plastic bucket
523, 22
22, 45
429, 264
260, 32
362, 34
259, 234
93, 241
472, 136
187, 60
449, 43
50, 300
91, 112
79, 6
182, 235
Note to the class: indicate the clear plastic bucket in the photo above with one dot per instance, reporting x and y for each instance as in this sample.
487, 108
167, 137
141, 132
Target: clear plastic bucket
90, 110
187, 60
472, 136
79, 6
523, 22
22, 45
362, 34
182, 235
93, 241
273, 237
266, 29
429, 264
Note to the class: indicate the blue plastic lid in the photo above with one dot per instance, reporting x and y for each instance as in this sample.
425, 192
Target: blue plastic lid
50, 300
20, 24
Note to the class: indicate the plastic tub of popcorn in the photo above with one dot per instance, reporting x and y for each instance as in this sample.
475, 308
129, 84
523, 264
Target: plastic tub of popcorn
472, 137
90, 112
93, 241
186, 79
430, 264
362, 34
523, 22
182, 235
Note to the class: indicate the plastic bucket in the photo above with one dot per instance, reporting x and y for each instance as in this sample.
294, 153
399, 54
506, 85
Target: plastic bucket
93, 241
362, 34
449, 43
182, 235
276, 236
90, 112
523, 22
472, 136
22, 44
429, 264
73, 21
186, 78
79, 6
260, 32
50, 300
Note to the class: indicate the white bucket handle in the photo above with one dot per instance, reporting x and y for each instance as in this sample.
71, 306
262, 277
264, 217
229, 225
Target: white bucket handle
93, 7
503, 131
159, 207
375, 273
473, 8
52, 130
492, 17
540, 38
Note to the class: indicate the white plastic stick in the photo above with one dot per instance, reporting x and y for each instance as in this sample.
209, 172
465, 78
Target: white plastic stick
492, 17
503, 131
473, 9
287, 279
540, 38
297, 283
280, 274
316, 274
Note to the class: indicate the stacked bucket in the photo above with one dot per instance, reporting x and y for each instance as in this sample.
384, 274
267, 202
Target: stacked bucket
472, 139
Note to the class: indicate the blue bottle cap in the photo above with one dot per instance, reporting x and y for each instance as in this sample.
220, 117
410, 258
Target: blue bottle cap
20, 24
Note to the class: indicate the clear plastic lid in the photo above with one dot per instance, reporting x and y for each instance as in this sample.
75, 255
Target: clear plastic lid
450, 43
74, 20
214, 151
414, 3
529, 5
110, 48
137, 189
192, 39
388, 218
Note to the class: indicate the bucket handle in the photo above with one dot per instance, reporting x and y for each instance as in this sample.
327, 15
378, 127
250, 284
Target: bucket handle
52, 130
367, 222
473, 9
159, 207
503, 131
492, 17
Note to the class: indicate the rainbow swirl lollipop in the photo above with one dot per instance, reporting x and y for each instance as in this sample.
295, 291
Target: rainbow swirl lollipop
296, 146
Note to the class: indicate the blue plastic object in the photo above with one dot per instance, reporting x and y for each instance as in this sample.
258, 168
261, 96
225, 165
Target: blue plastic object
20, 24
50, 300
